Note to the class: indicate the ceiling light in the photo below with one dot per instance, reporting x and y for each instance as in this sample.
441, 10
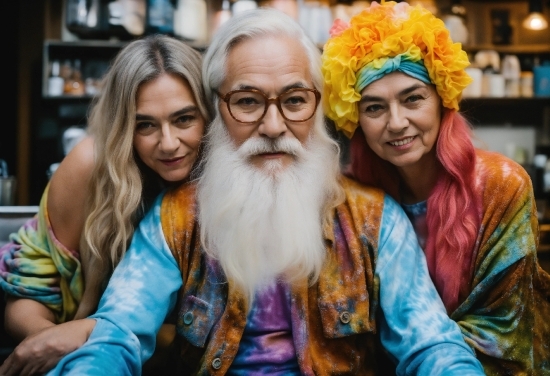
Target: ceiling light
535, 20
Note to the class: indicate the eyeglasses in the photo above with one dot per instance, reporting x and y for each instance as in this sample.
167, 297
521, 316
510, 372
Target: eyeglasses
250, 105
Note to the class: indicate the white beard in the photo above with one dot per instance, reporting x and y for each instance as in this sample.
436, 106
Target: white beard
265, 223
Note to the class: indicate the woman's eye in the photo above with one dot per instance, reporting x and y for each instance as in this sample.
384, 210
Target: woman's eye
414, 98
372, 108
145, 127
185, 119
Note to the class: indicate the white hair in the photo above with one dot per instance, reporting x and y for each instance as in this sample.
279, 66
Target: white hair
265, 224
250, 24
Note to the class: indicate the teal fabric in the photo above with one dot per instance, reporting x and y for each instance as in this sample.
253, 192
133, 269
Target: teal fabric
400, 63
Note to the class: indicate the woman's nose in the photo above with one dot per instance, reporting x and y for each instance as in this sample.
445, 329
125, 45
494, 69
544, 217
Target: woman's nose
397, 120
168, 140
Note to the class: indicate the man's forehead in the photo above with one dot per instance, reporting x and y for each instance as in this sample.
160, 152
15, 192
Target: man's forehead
267, 60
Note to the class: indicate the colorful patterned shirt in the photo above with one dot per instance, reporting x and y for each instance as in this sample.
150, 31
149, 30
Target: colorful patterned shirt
35, 265
374, 286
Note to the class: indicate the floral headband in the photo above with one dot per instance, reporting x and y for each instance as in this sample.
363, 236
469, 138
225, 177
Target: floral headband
379, 40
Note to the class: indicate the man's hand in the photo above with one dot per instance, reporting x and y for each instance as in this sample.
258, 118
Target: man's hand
40, 352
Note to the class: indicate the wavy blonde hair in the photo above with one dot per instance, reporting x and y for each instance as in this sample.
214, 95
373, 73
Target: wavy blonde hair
122, 187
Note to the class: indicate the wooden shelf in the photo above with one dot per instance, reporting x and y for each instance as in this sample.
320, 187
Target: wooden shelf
506, 111
506, 101
511, 49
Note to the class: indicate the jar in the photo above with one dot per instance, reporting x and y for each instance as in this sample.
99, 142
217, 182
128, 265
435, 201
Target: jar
526, 84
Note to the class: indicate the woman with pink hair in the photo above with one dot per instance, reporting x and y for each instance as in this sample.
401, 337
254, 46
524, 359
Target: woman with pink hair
393, 82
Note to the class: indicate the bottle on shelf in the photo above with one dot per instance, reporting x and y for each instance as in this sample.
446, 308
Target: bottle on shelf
526, 84
66, 73
78, 87
221, 16
511, 70
190, 20
240, 6
289, 7
160, 17
55, 82
74, 84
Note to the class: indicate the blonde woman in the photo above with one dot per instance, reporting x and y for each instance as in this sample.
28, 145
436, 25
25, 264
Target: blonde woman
145, 130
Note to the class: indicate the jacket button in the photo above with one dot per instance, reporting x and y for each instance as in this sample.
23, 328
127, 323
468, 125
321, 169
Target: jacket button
188, 318
345, 317
217, 363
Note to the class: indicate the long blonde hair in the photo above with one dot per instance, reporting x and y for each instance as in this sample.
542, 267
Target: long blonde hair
122, 187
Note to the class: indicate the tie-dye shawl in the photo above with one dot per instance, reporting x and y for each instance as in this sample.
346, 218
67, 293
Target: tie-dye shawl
35, 265
506, 311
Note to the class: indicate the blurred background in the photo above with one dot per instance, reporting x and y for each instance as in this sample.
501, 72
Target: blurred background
57, 50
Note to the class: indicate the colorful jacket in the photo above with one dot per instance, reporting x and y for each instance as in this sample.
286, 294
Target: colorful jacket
375, 278
35, 265
505, 312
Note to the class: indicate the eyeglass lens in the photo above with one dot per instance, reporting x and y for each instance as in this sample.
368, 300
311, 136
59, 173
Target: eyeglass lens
250, 106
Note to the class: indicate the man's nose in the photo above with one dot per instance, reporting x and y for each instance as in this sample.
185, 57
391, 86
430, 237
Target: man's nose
273, 124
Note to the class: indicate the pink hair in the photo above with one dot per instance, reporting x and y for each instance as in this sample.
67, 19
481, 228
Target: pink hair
453, 216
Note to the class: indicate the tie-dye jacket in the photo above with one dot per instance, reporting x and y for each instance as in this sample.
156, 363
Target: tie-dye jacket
505, 312
375, 278
35, 265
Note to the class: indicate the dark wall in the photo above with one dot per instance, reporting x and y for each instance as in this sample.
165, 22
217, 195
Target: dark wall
9, 28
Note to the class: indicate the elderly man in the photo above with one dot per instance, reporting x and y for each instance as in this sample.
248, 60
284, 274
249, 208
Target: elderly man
275, 263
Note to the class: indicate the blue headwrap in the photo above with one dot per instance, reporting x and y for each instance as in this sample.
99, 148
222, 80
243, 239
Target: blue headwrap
400, 63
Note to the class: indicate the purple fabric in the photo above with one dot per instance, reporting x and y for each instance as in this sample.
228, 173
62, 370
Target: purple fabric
266, 347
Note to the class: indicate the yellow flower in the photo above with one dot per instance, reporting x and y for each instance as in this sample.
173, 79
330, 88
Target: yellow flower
382, 31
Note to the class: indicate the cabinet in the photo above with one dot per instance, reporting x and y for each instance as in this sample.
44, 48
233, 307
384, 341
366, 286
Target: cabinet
94, 57
507, 111
52, 115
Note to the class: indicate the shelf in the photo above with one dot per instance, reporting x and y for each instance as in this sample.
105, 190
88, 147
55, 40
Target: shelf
68, 98
519, 111
96, 43
95, 57
507, 101
510, 49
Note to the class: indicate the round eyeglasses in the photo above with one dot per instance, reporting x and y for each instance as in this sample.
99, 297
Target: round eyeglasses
250, 105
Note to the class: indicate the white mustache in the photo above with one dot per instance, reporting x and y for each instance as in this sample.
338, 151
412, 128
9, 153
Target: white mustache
255, 146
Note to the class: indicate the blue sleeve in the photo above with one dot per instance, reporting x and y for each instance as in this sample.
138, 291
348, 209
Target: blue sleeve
141, 292
414, 326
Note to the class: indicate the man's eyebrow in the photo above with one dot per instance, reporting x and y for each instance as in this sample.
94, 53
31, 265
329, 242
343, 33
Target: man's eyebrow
297, 85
